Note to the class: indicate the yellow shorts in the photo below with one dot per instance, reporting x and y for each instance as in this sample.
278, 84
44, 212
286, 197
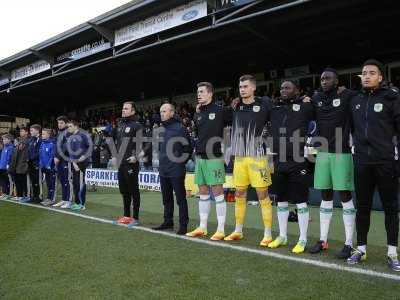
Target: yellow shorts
251, 171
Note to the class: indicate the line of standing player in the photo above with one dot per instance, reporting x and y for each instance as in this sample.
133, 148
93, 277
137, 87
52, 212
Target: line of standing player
372, 115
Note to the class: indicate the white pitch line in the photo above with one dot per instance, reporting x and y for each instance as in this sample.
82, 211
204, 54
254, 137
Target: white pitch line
307, 261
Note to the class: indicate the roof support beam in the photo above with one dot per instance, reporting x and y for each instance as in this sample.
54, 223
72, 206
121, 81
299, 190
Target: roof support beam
55, 71
43, 56
238, 11
15, 84
262, 12
104, 32
127, 47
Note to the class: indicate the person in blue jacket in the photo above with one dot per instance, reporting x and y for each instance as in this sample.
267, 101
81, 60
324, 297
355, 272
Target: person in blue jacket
62, 164
80, 147
5, 160
46, 164
175, 150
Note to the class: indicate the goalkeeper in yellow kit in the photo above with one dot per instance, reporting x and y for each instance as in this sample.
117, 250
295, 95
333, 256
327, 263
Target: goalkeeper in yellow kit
249, 118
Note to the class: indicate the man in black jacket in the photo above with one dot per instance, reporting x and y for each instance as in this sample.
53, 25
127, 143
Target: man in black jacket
290, 118
376, 124
175, 150
33, 156
126, 155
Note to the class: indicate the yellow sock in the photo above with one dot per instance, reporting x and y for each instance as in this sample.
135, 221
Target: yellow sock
266, 211
240, 212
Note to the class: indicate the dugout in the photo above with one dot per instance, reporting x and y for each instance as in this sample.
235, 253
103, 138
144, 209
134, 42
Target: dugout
273, 39
157, 48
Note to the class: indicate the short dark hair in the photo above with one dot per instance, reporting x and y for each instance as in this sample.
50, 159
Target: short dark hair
24, 128
248, 77
376, 63
332, 70
73, 122
294, 82
63, 118
37, 127
131, 103
8, 136
49, 131
208, 85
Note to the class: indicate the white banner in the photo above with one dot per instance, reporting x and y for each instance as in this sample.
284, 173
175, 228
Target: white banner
85, 50
166, 20
109, 178
29, 70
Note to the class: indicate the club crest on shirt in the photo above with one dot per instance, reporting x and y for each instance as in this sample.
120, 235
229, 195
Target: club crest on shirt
296, 107
378, 107
127, 129
256, 108
336, 102
320, 103
199, 118
358, 106
211, 116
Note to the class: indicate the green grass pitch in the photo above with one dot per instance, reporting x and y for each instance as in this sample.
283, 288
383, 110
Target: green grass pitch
47, 255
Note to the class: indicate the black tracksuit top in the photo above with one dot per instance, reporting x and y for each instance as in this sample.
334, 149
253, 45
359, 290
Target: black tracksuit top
127, 129
248, 123
210, 123
333, 112
376, 124
293, 116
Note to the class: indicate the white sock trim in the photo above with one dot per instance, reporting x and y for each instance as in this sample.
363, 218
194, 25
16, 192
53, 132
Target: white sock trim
303, 219
204, 197
392, 250
362, 248
348, 205
220, 208
283, 215
325, 216
349, 217
220, 199
204, 211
